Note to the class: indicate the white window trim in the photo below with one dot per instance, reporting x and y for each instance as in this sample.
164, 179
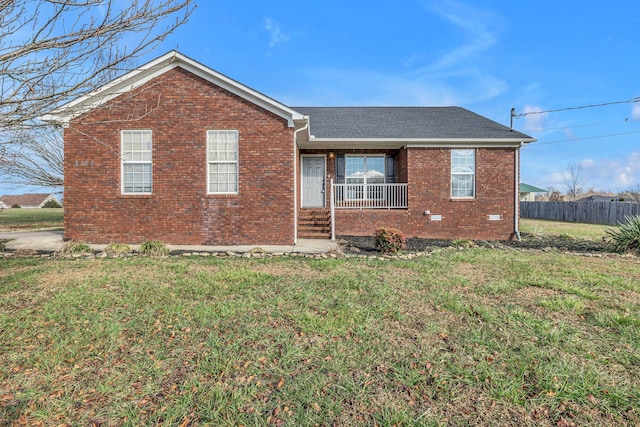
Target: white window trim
365, 156
237, 162
123, 162
365, 194
452, 173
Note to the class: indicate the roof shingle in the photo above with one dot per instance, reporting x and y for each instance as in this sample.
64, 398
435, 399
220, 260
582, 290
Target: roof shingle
404, 123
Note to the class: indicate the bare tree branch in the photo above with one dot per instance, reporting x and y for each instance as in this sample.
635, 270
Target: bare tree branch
574, 181
53, 51
34, 158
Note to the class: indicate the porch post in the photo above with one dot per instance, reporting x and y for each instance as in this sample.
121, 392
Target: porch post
333, 213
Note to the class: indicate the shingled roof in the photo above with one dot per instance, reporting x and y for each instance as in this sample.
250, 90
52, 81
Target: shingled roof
426, 123
25, 200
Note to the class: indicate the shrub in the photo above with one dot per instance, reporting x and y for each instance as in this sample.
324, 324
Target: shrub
16, 206
154, 248
626, 235
71, 248
114, 248
389, 240
51, 204
463, 243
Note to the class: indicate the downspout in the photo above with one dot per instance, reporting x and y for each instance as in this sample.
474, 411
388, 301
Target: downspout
517, 193
295, 180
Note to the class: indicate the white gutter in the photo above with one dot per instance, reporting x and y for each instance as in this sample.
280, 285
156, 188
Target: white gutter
373, 143
295, 179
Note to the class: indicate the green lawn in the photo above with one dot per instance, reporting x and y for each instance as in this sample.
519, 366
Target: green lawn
473, 337
16, 219
557, 228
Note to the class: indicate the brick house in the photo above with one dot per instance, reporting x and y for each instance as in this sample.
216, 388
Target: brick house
178, 152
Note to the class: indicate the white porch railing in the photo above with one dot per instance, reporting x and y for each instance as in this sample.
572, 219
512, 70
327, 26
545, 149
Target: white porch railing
369, 196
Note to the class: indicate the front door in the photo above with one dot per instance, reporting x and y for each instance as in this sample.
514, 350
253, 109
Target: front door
313, 181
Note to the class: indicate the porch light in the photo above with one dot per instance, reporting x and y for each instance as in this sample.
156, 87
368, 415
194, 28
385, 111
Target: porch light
331, 154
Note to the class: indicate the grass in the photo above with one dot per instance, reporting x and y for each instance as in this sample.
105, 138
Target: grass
472, 337
16, 219
566, 229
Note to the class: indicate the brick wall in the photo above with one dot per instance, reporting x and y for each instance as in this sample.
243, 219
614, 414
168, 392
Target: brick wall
428, 173
179, 108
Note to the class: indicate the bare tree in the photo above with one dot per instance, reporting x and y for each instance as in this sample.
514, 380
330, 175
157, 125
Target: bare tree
632, 194
53, 51
35, 157
574, 181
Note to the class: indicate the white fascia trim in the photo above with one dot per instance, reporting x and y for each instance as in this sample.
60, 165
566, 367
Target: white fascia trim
348, 143
153, 69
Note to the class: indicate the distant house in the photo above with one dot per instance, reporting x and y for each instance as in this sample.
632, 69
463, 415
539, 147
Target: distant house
528, 192
599, 198
3, 205
28, 200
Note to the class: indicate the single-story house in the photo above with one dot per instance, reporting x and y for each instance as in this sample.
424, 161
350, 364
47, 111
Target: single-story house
3, 205
179, 152
28, 200
600, 198
528, 192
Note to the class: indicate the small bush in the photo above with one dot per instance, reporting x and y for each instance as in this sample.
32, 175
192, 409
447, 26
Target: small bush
154, 248
51, 204
114, 248
71, 248
16, 206
389, 240
462, 243
625, 236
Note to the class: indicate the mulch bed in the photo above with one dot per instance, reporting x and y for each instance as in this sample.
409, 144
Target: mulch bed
365, 244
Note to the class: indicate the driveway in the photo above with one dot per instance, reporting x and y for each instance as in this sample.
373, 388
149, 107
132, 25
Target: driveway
48, 241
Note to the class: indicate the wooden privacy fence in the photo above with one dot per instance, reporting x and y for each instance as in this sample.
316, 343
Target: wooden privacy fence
609, 213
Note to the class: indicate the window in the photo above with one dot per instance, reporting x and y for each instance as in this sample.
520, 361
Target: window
136, 161
362, 172
222, 159
463, 174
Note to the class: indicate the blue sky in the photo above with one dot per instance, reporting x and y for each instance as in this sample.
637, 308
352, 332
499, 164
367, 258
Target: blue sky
484, 56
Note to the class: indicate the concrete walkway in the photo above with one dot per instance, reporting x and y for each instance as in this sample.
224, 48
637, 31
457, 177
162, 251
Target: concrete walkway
50, 241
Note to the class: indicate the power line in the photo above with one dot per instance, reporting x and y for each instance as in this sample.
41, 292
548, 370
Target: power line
541, 129
584, 138
604, 104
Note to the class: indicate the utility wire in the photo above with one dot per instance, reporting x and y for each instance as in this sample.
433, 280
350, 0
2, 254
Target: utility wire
604, 104
581, 139
543, 129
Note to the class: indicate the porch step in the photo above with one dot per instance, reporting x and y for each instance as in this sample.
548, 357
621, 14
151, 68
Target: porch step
314, 224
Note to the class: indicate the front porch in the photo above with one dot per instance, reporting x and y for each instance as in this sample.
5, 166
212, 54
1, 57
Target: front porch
369, 196
348, 180
319, 223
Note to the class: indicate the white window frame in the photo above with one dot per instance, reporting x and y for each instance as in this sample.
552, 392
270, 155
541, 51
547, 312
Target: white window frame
472, 174
211, 162
124, 162
352, 193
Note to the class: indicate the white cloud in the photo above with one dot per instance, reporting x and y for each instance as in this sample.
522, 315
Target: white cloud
587, 164
635, 111
534, 119
454, 78
458, 67
275, 33
479, 25
601, 174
